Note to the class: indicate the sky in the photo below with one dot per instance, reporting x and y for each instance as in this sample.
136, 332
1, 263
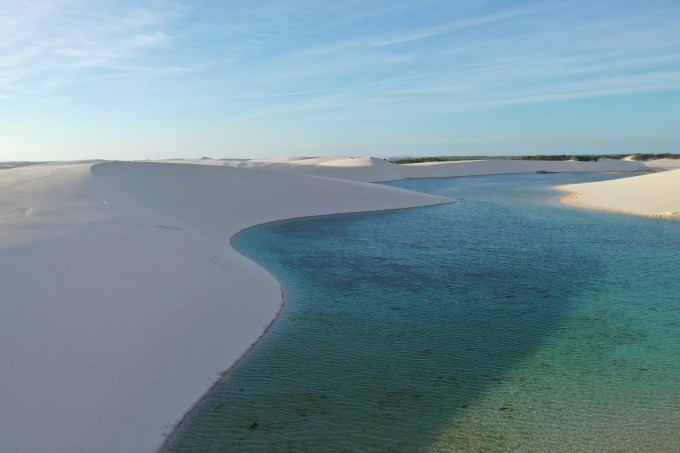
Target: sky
152, 79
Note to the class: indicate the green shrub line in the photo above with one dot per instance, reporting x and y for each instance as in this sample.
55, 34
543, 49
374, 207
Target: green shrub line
551, 157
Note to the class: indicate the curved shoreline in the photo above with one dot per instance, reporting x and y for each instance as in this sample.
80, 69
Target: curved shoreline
137, 252
207, 216
179, 430
569, 198
179, 427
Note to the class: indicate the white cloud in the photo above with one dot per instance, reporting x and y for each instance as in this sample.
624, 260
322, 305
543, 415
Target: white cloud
49, 44
305, 55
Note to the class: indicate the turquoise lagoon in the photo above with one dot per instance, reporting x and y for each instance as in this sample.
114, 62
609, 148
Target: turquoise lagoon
504, 322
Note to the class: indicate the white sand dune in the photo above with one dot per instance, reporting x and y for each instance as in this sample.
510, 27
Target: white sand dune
655, 195
121, 298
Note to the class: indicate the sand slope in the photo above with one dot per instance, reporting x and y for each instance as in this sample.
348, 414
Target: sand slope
122, 299
656, 195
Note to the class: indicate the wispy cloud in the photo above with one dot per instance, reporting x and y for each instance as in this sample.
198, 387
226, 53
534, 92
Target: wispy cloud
460, 25
296, 62
407, 36
48, 44
574, 54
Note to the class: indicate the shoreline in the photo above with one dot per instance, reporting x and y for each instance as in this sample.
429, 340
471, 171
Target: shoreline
569, 198
392, 199
106, 209
124, 273
178, 429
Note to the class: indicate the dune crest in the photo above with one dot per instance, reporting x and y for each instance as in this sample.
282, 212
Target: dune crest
123, 299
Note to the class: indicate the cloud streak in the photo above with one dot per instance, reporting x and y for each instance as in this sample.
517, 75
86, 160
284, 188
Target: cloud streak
49, 44
265, 64
385, 40
522, 67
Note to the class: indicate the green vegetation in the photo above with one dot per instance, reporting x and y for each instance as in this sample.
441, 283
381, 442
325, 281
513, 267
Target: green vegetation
560, 157
548, 157
418, 160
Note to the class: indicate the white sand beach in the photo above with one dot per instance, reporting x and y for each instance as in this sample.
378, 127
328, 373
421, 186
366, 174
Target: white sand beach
653, 195
122, 299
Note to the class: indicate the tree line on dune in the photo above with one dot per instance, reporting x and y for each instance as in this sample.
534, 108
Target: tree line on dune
551, 157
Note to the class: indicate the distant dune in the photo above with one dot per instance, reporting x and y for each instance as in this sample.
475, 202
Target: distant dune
371, 169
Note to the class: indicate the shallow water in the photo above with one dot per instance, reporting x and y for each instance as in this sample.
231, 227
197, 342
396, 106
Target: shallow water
504, 322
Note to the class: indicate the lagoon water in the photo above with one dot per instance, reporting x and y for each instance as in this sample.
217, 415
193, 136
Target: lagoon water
504, 322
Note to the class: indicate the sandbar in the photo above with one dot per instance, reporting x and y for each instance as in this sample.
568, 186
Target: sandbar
650, 195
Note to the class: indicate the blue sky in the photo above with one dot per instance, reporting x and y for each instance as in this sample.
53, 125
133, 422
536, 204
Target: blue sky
163, 78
